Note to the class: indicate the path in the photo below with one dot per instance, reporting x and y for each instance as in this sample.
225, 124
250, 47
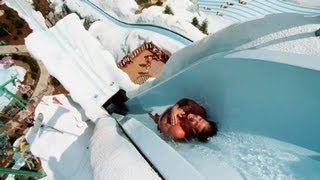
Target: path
42, 85
14, 49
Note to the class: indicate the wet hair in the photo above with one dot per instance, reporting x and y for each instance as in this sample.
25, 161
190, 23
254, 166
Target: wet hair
207, 132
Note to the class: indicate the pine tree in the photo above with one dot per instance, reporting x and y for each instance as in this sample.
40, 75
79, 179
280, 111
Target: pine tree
195, 22
168, 10
204, 27
317, 33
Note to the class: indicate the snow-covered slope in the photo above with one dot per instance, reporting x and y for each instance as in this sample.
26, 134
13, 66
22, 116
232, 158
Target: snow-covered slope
64, 154
80, 63
91, 76
184, 11
114, 157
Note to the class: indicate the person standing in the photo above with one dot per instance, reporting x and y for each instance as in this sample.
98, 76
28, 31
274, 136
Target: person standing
148, 60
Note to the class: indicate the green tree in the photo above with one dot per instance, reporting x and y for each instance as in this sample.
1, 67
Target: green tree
317, 33
204, 27
4, 30
168, 10
195, 22
18, 22
4, 143
8, 13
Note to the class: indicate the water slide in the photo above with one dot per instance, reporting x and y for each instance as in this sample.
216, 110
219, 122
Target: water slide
267, 108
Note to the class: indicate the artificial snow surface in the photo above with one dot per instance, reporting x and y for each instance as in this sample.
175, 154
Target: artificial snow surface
56, 5
65, 154
80, 63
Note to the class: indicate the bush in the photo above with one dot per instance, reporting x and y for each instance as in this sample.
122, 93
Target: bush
15, 56
2, 121
2, 42
4, 28
204, 27
195, 22
4, 143
142, 1
8, 13
168, 10
19, 32
317, 33
159, 3
18, 22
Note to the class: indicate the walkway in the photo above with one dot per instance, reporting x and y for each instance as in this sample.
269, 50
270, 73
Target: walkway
253, 9
137, 69
42, 85
14, 49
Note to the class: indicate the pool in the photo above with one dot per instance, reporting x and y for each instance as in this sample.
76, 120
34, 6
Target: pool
5, 75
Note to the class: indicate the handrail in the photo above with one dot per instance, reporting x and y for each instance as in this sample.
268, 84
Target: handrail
21, 172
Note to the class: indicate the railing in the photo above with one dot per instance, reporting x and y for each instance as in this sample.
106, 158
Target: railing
22, 172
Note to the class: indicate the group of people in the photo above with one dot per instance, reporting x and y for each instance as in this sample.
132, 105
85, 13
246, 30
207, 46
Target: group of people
185, 119
228, 4
159, 55
242, 2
